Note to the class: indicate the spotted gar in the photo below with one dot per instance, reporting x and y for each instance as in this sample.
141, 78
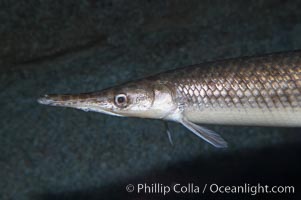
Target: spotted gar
260, 91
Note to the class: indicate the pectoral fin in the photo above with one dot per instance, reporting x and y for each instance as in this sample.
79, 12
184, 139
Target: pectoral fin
168, 132
206, 134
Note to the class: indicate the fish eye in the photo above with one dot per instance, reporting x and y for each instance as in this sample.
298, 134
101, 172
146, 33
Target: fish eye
121, 100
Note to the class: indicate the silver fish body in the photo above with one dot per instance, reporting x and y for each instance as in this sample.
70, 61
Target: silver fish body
261, 91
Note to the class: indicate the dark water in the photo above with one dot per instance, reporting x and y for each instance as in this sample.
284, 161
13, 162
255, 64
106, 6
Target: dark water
79, 46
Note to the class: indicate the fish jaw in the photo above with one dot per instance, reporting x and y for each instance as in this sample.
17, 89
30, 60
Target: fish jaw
95, 102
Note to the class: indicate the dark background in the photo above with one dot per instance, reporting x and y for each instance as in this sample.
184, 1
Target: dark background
85, 45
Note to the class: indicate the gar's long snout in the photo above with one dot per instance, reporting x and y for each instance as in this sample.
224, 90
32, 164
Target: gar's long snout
64, 99
95, 101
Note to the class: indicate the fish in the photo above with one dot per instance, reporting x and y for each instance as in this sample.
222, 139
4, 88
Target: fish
248, 91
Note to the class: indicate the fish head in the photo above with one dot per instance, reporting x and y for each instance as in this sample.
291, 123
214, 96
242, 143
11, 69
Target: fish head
145, 99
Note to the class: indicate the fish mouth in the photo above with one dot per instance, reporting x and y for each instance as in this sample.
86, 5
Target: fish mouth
46, 100
85, 102
58, 100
